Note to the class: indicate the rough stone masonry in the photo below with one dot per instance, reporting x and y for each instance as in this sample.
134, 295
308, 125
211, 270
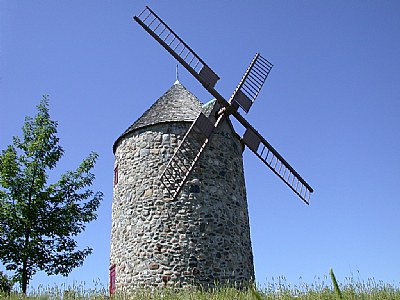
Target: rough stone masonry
200, 238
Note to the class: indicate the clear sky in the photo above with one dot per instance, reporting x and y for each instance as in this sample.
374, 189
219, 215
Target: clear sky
331, 107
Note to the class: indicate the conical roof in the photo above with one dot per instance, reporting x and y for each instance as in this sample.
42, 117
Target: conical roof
176, 105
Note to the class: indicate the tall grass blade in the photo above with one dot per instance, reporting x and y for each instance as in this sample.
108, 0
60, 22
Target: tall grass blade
255, 293
335, 284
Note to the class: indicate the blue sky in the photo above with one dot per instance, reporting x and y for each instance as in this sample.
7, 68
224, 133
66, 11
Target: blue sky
331, 107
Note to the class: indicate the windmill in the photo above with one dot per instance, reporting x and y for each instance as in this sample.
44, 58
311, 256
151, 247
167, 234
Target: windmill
184, 160
179, 212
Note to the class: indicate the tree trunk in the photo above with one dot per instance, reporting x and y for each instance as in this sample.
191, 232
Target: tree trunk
25, 256
25, 276
24, 279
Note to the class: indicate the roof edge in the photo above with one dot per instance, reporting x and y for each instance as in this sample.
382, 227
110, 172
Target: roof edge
122, 136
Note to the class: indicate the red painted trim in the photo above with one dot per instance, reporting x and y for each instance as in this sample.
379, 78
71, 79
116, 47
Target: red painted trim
112, 279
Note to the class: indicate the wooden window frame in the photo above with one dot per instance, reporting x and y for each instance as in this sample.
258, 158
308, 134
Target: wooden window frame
116, 175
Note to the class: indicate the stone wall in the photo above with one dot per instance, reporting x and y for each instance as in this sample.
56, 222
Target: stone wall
203, 236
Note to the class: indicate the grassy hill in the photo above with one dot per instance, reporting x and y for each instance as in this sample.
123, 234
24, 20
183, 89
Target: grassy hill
325, 288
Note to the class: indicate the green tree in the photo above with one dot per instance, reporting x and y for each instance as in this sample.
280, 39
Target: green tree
5, 284
39, 221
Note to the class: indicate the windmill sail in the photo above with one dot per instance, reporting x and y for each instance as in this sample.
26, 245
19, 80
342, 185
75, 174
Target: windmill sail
163, 34
196, 139
264, 151
251, 83
187, 154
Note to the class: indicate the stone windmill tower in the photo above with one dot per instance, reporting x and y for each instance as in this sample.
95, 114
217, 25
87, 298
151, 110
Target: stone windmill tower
179, 207
200, 237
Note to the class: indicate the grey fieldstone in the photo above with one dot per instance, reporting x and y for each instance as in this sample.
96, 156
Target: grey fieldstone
199, 238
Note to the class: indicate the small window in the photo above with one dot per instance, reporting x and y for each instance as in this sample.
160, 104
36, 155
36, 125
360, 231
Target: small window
116, 175
112, 279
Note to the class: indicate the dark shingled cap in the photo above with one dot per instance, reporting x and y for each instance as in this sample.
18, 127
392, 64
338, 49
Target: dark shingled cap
176, 105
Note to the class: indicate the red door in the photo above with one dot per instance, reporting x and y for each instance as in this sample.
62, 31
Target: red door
112, 279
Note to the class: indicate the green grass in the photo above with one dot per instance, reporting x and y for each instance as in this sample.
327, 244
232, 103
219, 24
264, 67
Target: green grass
278, 288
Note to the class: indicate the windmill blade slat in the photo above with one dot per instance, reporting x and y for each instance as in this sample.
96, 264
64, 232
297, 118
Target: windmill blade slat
259, 72
163, 34
265, 63
257, 77
252, 88
277, 164
251, 83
